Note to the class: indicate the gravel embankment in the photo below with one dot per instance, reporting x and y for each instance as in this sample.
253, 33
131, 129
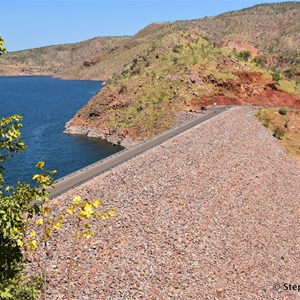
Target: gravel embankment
184, 117
213, 213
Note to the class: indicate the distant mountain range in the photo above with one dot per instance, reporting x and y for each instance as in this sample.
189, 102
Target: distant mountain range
274, 29
250, 56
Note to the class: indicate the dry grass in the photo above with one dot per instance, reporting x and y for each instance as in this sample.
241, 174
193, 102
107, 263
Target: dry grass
272, 28
289, 124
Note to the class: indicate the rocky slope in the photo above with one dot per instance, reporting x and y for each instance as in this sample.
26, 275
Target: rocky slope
271, 28
210, 214
58, 60
179, 72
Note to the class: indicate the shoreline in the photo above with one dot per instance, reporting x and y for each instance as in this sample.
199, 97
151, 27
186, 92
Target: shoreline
52, 76
87, 173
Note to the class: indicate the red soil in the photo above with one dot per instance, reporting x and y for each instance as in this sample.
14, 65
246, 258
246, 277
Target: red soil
253, 90
241, 46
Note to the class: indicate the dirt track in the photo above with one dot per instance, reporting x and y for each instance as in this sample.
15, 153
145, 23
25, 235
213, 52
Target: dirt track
210, 214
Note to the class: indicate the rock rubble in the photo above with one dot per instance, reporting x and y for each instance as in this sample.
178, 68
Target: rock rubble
210, 214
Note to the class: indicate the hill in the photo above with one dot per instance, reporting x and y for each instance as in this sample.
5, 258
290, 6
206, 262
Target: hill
179, 72
249, 56
272, 29
57, 60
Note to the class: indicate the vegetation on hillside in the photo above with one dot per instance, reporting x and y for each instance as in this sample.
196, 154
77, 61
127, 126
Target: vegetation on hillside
57, 60
272, 28
285, 125
178, 71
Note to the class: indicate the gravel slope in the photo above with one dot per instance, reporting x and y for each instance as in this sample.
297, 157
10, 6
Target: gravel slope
210, 214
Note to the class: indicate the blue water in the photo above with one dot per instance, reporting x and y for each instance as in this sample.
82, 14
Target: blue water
46, 105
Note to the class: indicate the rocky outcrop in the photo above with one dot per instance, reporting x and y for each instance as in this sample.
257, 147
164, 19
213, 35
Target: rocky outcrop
108, 135
249, 88
90, 63
83, 130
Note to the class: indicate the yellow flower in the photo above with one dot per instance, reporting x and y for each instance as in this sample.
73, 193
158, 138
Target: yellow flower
71, 211
15, 230
44, 178
86, 225
87, 236
32, 234
104, 216
40, 221
57, 226
46, 210
96, 203
48, 233
35, 176
40, 178
77, 200
82, 214
87, 210
40, 165
111, 213
78, 234
20, 243
32, 245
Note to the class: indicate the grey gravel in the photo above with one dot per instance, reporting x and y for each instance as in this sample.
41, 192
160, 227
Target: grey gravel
184, 117
210, 214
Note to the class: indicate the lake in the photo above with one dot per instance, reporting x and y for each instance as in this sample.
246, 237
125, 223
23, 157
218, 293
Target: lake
46, 105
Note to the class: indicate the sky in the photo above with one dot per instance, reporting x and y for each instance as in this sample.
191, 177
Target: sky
29, 24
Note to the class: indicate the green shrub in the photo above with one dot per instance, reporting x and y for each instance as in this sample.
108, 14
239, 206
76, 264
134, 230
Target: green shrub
23, 289
177, 48
245, 55
278, 133
260, 61
289, 73
175, 59
286, 124
283, 111
2, 49
276, 76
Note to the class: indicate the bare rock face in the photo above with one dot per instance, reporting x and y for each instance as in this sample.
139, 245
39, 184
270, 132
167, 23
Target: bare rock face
112, 137
83, 130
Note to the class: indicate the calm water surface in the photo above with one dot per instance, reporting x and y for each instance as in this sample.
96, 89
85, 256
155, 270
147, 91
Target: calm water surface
46, 105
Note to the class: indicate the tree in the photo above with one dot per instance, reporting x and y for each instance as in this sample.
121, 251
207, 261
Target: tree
19, 207
2, 49
16, 207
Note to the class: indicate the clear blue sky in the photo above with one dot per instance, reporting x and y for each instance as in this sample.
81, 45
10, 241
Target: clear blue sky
35, 23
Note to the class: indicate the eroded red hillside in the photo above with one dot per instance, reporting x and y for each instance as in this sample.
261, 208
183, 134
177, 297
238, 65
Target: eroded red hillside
252, 89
